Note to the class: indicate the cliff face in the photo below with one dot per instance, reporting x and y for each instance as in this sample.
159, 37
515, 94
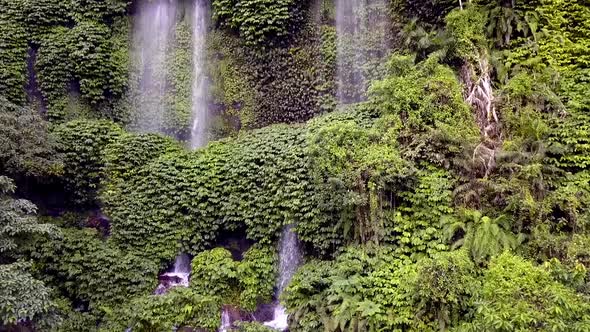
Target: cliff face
325, 165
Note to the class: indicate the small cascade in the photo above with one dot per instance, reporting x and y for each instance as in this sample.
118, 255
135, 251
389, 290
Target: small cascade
226, 322
200, 110
179, 276
281, 319
290, 257
152, 36
362, 30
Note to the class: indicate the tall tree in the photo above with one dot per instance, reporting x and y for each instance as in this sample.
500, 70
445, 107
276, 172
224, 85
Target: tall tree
22, 297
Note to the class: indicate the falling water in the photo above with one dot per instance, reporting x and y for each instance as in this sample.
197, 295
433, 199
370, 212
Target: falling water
226, 322
362, 28
290, 257
153, 34
179, 276
199, 128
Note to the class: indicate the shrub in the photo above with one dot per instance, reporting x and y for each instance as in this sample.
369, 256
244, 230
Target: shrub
259, 21
86, 268
245, 284
177, 309
257, 180
516, 295
82, 143
26, 146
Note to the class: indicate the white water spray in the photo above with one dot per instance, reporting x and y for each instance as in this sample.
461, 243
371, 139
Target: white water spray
179, 276
182, 269
290, 257
152, 36
362, 27
200, 109
226, 322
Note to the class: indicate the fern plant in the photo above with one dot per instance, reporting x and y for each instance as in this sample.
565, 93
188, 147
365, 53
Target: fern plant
481, 235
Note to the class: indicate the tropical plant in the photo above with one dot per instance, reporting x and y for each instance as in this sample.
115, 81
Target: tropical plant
27, 149
517, 295
22, 297
482, 236
245, 284
259, 22
82, 143
215, 273
81, 265
178, 308
18, 221
366, 289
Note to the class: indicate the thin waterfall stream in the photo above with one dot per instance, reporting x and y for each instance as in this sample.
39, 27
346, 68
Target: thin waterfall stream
360, 36
226, 322
290, 258
362, 30
200, 110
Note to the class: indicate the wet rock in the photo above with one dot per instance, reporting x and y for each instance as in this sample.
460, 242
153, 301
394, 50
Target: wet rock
264, 312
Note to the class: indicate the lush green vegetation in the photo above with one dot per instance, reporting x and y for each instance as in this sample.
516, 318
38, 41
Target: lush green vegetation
454, 197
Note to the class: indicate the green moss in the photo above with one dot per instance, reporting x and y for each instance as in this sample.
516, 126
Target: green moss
231, 86
253, 88
180, 76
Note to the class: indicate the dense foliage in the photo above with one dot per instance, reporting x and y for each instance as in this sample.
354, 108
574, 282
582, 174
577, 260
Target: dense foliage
367, 289
22, 297
432, 157
71, 45
82, 143
233, 184
87, 269
299, 76
26, 146
259, 22
245, 284
180, 307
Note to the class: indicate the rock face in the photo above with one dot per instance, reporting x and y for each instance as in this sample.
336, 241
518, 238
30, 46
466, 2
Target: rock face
236, 243
264, 312
100, 222
231, 315
169, 281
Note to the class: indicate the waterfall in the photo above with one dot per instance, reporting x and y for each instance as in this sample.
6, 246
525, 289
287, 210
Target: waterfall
152, 36
362, 30
157, 19
200, 110
178, 276
290, 257
182, 268
226, 322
